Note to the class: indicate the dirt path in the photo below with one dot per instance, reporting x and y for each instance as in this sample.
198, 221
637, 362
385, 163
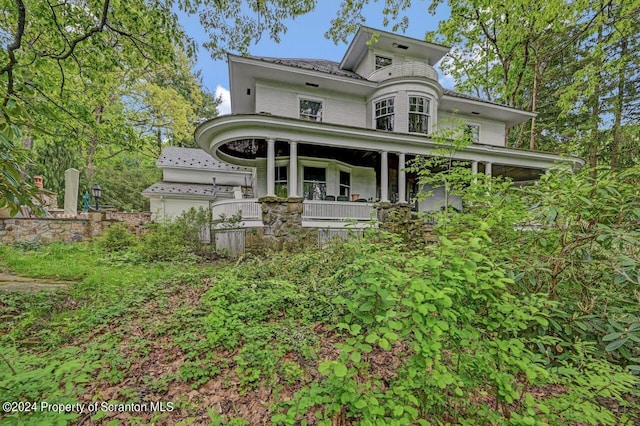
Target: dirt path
10, 282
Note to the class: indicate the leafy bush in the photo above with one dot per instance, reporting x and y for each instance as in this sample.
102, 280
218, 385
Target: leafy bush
458, 339
117, 238
178, 240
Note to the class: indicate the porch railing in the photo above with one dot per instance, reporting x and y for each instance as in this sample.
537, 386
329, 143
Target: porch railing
337, 210
226, 209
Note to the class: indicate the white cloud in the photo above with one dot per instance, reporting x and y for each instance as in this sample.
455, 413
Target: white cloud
225, 95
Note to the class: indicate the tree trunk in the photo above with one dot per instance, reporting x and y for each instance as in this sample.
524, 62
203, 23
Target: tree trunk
618, 107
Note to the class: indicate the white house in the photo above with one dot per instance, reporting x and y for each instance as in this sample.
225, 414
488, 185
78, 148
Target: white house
340, 134
192, 178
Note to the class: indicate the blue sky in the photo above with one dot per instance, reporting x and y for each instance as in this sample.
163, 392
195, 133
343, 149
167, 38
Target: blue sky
305, 39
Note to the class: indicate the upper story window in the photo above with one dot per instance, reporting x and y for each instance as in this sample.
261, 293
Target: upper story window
383, 61
472, 130
384, 114
418, 114
310, 110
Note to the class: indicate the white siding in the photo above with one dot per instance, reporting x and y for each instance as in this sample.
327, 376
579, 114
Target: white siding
284, 101
167, 209
491, 132
363, 182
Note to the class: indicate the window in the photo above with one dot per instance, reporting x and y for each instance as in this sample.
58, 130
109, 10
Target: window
281, 181
472, 130
418, 114
310, 110
382, 61
384, 114
345, 183
314, 183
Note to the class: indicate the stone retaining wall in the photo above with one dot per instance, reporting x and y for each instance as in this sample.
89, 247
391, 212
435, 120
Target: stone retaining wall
81, 228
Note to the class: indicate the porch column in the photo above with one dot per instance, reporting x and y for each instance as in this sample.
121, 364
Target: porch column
402, 179
487, 169
271, 167
474, 167
293, 169
384, 176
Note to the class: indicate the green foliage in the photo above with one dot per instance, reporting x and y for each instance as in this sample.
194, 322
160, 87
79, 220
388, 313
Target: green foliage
445, 315
123, 179
15, 190
117, 238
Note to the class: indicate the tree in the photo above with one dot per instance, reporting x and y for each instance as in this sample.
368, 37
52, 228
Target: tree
89, 73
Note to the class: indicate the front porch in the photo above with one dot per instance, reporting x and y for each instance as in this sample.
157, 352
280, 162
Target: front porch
250, 212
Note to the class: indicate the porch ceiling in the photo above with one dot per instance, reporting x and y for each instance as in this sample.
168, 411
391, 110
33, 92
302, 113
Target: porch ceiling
212, 135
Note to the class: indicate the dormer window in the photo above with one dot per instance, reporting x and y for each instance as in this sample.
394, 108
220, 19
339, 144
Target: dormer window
384, 114
310, 110
383, 61
418, 114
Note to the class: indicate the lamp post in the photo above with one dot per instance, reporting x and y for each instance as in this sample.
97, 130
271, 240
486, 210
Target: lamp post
97, 193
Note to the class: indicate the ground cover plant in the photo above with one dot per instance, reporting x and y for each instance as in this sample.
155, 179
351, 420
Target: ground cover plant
470, 329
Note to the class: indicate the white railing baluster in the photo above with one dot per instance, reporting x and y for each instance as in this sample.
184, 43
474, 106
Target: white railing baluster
336, 210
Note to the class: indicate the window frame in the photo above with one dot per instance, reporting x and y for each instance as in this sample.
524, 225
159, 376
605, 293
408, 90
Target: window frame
279, 182
475, 136
377, 67
425, 114
341, 186
308, 117
308, 195
386, 115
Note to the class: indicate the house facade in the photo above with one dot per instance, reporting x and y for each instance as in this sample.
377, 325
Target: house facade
338, 135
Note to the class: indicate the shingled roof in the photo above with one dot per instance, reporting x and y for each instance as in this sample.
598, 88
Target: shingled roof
190, 189
321, 65
331, 67
193, 158
455, 94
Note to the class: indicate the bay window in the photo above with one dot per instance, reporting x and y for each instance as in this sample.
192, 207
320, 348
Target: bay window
384, 113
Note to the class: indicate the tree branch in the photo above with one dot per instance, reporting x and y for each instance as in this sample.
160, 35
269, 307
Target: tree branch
11, 49
96, 29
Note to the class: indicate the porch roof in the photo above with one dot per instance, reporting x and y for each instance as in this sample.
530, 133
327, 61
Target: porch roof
215, 133
191, 190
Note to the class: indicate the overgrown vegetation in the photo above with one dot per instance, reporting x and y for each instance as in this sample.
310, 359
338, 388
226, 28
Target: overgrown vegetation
522, 311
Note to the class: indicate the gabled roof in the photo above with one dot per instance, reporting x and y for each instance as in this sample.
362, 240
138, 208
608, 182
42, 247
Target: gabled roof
192, 158
390, 42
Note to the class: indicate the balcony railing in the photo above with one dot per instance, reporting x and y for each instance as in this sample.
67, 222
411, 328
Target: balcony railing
337, 210
250, 210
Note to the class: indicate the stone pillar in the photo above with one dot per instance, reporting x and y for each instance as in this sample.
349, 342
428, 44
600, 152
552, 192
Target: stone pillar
282, 220
293, 169
402, 179
71, 178
384, 177
271, 167
474, 167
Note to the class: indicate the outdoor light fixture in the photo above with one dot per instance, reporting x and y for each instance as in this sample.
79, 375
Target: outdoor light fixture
97, 193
